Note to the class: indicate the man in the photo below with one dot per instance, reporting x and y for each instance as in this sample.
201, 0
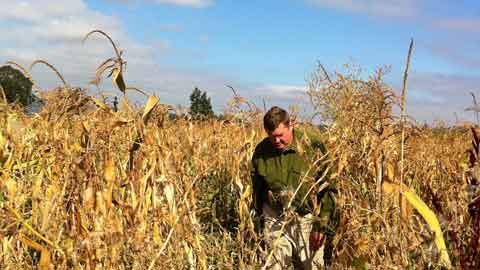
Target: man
291, 195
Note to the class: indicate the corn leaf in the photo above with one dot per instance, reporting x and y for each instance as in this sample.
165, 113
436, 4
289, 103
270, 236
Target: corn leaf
45, 261
425, 212
432, 222
151, 103
118, 80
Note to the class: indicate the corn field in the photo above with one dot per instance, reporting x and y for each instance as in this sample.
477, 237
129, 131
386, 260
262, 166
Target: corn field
83, 186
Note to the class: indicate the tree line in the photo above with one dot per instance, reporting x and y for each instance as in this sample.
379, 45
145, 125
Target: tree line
18, 89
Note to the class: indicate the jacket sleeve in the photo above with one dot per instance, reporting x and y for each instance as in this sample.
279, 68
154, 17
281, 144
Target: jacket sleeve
328, 218
259, 187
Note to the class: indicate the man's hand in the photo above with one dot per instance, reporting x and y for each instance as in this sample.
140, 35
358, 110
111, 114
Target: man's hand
316, 240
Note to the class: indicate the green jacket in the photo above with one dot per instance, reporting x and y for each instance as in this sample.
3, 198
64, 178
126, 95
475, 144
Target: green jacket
277, 175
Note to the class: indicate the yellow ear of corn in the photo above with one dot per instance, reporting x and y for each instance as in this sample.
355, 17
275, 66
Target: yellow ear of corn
432, 222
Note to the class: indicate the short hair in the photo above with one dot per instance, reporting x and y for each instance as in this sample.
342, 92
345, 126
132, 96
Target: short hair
274, 117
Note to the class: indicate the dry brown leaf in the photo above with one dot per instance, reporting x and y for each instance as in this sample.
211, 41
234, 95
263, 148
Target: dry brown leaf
109, 171
11, 186
87, 126
390, 172
392, 194
169, 192
151, 103
88, 197
119, 123
45, 262
100, 205
118, 80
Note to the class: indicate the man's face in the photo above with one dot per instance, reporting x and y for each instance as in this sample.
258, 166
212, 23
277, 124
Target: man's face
281, 137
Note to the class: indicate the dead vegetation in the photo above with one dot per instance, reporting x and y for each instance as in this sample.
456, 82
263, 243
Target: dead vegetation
85, 187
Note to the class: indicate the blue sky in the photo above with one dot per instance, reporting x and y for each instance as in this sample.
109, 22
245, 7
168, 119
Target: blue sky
265, 49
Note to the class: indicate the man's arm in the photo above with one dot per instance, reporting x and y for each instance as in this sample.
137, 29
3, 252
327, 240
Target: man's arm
326, 223
259, 193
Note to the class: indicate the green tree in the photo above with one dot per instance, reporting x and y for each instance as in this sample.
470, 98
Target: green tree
16, 86
200, 104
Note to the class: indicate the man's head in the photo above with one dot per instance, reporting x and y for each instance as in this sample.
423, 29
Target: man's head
279, 128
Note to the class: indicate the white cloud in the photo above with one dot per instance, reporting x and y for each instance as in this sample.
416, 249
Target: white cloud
282, 91
204, 39
36, 11
50, 20
444, 84
380, 8
188, 3
467, 25
435, 96
171, 28
290, 97
57, 39
452, 38
55, 34
53, 31
456, 51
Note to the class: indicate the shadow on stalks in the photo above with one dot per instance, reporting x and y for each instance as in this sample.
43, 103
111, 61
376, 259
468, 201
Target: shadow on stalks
218, 205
